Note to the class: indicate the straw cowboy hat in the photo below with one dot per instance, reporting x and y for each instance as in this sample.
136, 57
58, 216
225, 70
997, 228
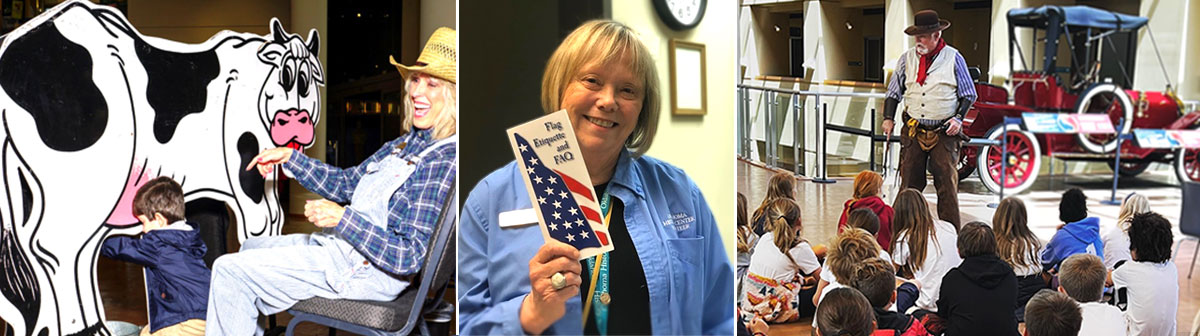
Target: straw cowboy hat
925, 22
438, 59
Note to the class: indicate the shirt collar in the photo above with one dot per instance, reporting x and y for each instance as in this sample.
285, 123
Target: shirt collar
625, 175
414, 140
423, 134
178, 225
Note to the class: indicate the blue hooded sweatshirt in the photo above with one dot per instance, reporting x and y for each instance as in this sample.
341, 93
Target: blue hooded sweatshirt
1075, 237
176, 277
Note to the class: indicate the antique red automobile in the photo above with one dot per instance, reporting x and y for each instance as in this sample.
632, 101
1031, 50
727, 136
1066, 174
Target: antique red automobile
1100, 45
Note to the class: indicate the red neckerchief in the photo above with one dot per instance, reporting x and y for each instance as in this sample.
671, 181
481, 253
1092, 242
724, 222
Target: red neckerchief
927, 59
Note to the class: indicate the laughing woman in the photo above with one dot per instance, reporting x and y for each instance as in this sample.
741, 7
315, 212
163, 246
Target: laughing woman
370, 248
668, 273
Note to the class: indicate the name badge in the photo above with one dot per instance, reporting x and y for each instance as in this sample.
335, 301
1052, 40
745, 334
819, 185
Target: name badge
519, 217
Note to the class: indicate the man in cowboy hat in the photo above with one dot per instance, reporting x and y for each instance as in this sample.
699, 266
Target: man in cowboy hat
937, 90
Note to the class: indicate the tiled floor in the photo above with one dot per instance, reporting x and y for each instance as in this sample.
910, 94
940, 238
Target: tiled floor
821, 205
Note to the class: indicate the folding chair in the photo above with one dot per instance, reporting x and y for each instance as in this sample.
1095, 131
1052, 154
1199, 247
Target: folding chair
1189, 221
399, 316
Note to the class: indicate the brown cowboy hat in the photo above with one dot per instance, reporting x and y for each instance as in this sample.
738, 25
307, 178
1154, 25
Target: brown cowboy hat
925, 22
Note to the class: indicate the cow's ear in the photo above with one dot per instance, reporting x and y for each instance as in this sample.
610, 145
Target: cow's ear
314, 42
277, 31
271, 53
318, 74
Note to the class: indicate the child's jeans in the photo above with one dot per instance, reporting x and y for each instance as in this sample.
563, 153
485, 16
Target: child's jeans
906, 297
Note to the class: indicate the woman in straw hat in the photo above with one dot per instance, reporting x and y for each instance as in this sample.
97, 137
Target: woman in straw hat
369, 247
668, 273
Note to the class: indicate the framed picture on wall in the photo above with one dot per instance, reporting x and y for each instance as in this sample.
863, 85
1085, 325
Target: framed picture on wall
688, 78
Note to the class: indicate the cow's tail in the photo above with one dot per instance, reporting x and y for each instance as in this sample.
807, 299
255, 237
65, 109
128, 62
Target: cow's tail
19, 285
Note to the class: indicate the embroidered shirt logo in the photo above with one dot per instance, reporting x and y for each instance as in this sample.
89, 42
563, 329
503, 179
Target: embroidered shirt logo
680, 220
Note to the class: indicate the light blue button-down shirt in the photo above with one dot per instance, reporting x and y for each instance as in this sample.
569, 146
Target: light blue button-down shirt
688, 275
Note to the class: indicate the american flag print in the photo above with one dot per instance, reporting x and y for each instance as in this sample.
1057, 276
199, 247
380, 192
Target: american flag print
555, 195
559, 189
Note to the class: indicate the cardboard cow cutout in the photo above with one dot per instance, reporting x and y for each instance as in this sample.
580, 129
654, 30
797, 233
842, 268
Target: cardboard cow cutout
92, 109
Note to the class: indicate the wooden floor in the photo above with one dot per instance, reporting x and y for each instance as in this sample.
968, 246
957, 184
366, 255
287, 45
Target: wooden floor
821, 204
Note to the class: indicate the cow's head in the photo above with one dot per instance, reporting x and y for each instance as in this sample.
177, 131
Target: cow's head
289, 100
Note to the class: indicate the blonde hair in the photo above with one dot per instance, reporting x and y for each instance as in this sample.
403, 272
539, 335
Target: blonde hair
1015, 243
1134, 204
605, 41
913, 221
783, 215
446, 122
851, 248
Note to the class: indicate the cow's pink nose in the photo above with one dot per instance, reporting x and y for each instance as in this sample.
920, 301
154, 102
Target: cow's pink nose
292, 126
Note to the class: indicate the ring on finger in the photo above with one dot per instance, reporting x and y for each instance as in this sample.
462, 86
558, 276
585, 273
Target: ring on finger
558, 281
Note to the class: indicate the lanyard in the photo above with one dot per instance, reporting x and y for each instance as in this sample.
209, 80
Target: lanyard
599, 266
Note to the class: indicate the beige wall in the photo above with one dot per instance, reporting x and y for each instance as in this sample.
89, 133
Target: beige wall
196, 21
772, 45
434, 14
689, 142
1189, 80
998, 66
843, 45
971, 34
898, 15
1169, 20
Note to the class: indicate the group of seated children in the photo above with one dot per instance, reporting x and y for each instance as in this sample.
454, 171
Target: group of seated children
932, 278
781, 275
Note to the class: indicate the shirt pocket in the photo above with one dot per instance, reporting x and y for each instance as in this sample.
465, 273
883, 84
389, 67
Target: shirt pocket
688, 281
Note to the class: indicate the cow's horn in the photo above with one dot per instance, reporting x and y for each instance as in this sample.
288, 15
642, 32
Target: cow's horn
314, 42
277, 31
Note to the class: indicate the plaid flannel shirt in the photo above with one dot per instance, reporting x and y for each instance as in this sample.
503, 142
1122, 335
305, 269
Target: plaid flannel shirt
413, 208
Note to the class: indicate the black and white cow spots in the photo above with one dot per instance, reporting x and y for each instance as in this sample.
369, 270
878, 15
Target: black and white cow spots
250, 181
50, 77
177, 84
95, 109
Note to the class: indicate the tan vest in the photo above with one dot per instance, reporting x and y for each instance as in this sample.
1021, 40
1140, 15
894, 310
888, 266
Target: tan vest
938, 98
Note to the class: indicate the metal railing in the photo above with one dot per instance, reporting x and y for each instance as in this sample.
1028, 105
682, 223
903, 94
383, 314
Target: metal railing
770, 102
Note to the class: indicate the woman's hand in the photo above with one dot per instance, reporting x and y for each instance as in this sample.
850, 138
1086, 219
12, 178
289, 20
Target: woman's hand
323, 213
268, 159
758, 327
545, 305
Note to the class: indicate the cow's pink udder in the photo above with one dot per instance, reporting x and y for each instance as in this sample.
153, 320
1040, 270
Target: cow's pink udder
122, 214
292, 128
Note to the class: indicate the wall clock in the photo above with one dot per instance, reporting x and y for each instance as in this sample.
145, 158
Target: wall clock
680, 14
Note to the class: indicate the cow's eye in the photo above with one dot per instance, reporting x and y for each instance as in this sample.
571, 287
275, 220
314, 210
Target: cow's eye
287, 76
302, 81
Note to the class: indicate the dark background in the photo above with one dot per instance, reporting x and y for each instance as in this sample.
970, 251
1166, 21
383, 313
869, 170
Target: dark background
501, 67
